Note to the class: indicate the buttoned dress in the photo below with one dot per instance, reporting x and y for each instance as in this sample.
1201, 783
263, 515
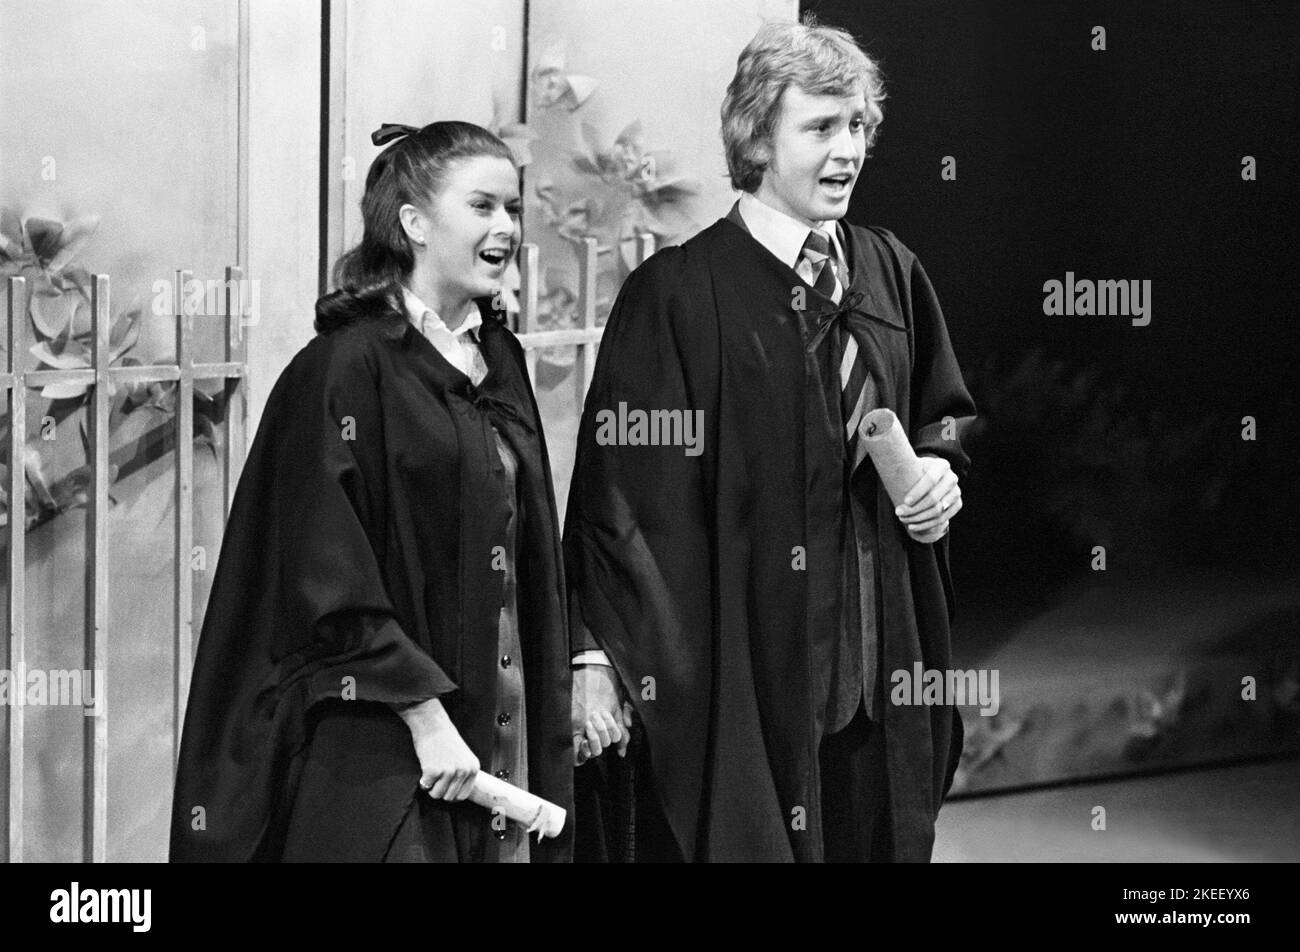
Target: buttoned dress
508, 842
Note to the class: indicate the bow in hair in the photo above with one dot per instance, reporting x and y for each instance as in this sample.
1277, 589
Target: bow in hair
390, 131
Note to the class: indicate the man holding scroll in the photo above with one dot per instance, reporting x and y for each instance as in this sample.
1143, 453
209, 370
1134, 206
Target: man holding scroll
746, 605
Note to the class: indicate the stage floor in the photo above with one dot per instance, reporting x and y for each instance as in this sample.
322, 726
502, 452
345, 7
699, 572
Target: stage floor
1248, 813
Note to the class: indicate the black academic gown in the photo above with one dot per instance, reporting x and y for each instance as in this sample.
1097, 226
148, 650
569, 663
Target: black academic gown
710, 579
359, 569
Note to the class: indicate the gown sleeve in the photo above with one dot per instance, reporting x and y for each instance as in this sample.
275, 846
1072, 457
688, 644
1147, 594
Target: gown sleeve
636, 534
298, 612
638, 531
334, 536
941, 408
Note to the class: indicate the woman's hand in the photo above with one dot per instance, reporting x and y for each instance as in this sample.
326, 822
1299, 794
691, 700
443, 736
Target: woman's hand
932, 502
447, 765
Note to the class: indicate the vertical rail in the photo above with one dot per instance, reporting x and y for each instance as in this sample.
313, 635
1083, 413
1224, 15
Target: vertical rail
645, 248
242, 114
528, 271
336, 193
183, 627
584, 361
95, 805
96, 634
237, 404
17, 292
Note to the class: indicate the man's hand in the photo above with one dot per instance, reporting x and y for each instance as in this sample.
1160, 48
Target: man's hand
601, 719
932, 502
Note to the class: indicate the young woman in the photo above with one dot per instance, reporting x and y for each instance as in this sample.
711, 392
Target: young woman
386, 618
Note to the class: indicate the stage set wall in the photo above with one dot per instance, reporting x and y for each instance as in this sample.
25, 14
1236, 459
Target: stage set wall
210, 133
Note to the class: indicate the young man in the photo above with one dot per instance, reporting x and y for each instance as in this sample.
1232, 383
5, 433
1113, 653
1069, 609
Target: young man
749, 593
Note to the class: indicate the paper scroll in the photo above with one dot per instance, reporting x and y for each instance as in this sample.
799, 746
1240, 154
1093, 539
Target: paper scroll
526, 809
881, 436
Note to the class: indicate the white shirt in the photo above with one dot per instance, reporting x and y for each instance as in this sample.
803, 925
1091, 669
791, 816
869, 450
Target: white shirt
784, 236
460, 346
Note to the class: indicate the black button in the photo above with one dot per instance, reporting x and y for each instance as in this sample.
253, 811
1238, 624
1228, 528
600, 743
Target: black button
503, 774
503, 719
501, 834
505, 661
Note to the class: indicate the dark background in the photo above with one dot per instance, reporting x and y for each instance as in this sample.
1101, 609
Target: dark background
1115, 164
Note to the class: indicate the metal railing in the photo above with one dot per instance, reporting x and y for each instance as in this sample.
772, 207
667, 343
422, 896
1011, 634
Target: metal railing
587, 335
101, 378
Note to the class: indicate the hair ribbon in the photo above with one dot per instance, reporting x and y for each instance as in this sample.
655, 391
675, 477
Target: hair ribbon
390, 131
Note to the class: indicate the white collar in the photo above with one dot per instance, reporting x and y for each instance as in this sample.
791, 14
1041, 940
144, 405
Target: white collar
426, 319
778, 232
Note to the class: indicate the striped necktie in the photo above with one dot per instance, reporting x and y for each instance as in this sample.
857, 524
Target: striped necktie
817, 252
858, 395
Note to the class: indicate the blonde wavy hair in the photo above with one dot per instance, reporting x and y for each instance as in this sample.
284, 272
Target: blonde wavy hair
820, 60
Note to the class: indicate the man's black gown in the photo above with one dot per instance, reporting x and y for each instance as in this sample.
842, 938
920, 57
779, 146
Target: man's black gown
360, 568
687, 569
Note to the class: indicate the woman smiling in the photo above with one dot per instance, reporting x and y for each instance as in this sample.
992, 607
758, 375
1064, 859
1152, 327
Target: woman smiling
386, 619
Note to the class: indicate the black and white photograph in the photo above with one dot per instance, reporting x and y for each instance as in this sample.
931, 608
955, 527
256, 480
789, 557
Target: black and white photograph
650, 431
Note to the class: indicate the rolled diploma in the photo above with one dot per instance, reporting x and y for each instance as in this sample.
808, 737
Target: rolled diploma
518, 804
891, 453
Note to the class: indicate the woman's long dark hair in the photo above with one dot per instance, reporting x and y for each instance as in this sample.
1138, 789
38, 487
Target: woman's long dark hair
412, 170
